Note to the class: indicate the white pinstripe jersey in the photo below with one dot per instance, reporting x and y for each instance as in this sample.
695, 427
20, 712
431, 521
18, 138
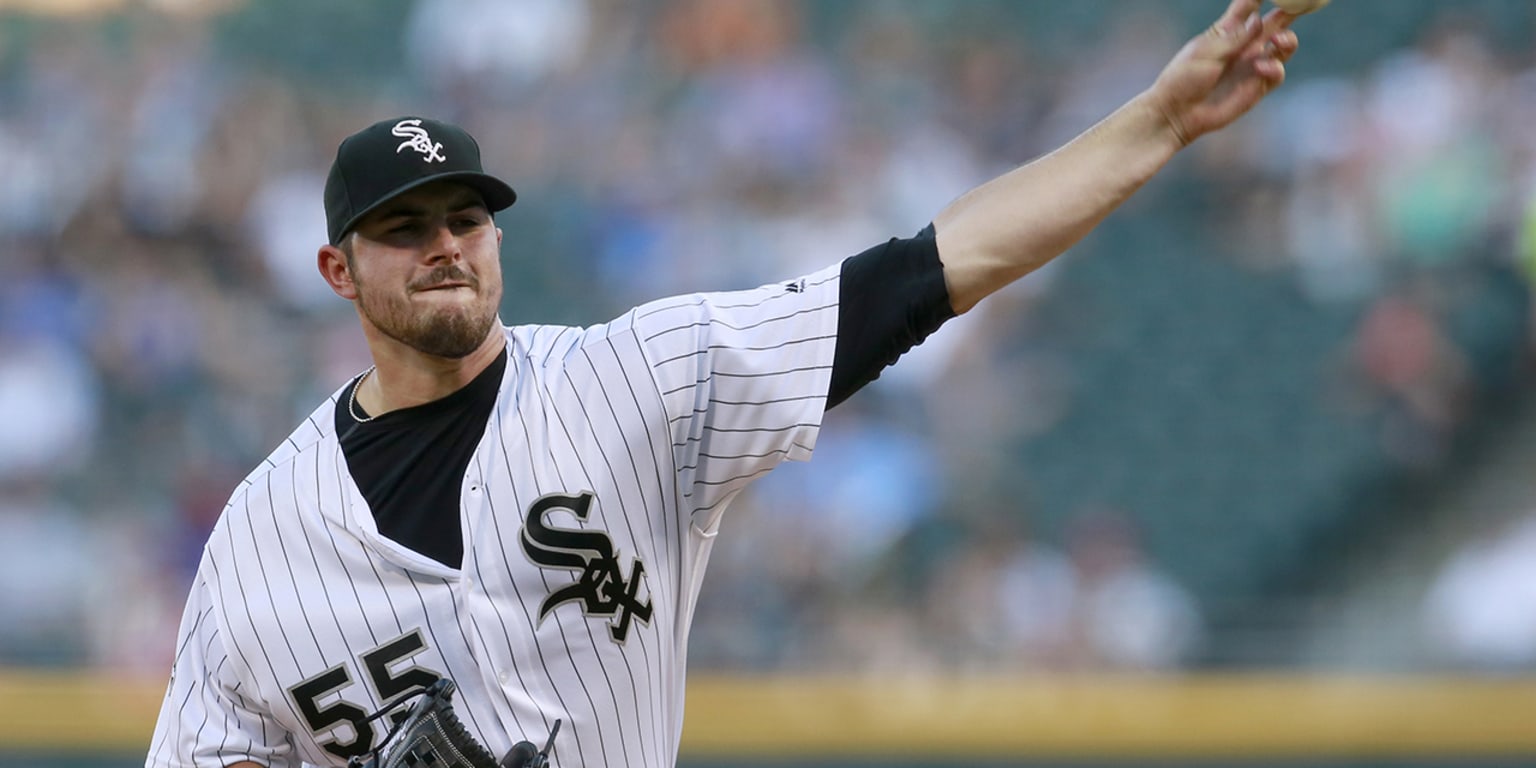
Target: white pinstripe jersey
588, 511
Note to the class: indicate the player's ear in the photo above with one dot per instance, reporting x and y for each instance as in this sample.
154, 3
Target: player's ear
336, 267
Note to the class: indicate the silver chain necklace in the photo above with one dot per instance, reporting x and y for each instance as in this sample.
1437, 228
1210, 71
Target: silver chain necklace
352, 401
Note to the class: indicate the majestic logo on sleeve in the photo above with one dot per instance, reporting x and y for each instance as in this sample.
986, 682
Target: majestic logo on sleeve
418, 140
601, 587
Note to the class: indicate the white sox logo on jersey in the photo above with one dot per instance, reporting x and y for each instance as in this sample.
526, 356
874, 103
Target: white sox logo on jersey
601, 586
418, 140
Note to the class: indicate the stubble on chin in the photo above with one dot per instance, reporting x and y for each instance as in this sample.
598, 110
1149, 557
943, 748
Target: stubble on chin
452, 333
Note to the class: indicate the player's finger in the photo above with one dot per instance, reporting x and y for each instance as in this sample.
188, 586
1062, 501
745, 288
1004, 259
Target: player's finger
1276, 20
1228, 39
1271, 71
1283, 46
1236, 17
1267, 63
1271, 26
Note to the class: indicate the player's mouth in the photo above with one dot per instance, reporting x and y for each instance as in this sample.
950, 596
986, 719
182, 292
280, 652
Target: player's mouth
445, 278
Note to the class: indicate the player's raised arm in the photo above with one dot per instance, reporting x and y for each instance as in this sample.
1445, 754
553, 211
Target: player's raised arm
1013, 224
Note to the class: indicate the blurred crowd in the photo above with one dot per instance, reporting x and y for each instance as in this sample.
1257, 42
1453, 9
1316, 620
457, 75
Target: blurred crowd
162, 326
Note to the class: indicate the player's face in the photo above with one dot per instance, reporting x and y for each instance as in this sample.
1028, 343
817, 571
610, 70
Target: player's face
427, 270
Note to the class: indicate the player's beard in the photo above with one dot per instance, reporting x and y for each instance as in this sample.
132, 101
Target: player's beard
450, 331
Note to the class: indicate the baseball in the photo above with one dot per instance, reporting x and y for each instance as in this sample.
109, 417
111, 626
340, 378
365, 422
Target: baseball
1298, 7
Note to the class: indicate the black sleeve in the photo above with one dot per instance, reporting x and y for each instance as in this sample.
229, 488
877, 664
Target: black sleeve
889, 299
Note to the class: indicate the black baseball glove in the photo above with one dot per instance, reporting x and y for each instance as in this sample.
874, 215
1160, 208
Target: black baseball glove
431, 736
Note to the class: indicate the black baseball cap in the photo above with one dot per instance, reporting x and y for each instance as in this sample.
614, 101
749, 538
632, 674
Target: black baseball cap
397, 155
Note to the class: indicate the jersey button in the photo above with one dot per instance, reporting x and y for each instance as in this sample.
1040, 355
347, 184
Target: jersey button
503, 677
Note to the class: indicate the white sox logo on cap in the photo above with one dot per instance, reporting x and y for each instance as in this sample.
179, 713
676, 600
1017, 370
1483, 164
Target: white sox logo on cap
417, 140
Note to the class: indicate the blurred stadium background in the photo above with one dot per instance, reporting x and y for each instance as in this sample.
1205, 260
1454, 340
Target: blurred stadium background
1245, 479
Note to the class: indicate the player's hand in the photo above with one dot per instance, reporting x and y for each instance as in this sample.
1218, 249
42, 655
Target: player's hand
1223, 73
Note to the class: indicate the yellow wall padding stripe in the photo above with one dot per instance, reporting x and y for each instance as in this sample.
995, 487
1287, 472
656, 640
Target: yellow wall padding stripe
1110, 717
76, 712
1256, 716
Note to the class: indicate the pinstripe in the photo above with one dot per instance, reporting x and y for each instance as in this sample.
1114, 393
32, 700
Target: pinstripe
532, 629
447, 661
211, 683
197, 626
325, 589
619, 502
757, 431
506, 457
677, 494
342, 561
250, 748
769, 348
769, 401
682, 387
226, 730
261, 645
667, 522
467, 712
486, 641
770, 374
688, 415
685, 356
479, 633
277, 533
261, 565
500, 618
607, 676
639, 409
774, 452
723, 324
498, 420
587, 482
468, 645
633, 464
729, 480
373, 564
714, 402
166, 736
708, 507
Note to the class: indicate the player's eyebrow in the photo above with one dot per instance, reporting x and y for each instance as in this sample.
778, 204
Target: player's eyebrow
399, 211
468, 201
469, 204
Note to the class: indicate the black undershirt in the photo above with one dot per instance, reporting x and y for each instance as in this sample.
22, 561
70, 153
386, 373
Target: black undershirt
409, 464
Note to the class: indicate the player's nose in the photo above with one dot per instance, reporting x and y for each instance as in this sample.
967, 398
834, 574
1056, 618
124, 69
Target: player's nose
442, 245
